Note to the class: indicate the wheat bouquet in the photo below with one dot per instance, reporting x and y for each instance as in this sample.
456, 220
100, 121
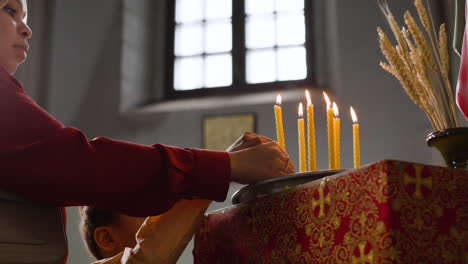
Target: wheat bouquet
420, 61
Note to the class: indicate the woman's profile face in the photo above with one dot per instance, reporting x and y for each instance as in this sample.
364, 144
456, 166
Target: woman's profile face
14, 34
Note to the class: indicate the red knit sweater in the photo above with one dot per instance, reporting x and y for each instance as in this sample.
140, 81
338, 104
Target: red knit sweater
45, 161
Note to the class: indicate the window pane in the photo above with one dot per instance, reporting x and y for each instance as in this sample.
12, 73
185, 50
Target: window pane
188, 73
292, 63
218, 37
218, 9
188, 39
289, 5
259, 6
291, 29
189, 10
261, 66
218, 71
260, 31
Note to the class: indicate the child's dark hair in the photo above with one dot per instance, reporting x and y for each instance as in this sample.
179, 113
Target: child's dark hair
92, 218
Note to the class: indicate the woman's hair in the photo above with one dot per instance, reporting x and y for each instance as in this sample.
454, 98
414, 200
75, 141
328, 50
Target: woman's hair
92, 218
3, 3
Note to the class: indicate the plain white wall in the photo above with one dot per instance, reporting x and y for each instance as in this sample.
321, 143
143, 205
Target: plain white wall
84, 85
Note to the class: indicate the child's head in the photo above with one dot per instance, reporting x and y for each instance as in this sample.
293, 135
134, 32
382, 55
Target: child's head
14, 33
105, 233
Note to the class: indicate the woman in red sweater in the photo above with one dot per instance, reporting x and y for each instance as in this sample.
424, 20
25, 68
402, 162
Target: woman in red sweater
45, 161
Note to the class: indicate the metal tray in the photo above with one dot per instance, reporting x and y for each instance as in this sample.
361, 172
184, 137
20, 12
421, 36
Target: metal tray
271, 186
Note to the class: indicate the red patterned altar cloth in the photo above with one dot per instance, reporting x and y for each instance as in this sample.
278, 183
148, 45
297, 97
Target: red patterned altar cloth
386, 212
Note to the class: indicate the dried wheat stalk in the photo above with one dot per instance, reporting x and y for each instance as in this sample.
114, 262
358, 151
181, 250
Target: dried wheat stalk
420, 65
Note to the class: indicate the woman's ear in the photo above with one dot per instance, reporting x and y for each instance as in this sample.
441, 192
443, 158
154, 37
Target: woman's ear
106, 240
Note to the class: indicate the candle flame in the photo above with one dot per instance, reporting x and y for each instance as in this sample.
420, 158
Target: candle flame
300, 111
335, 110
309, 101
353, 115
278, 99
327, 100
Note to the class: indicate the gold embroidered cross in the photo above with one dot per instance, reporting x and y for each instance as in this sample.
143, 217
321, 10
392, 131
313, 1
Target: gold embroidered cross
363, 258
323, 200
418, 181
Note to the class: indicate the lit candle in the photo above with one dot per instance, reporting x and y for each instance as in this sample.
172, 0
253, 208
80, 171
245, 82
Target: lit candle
279, 122
356, 146
331, 145
311, 133
302, 148
336, 128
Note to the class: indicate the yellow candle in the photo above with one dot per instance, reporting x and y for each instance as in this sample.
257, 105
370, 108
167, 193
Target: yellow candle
301, 134
279, 123
311, 134
331, 145
356, 146
336, 128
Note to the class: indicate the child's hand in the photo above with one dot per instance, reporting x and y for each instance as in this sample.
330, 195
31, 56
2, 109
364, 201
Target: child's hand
260, 162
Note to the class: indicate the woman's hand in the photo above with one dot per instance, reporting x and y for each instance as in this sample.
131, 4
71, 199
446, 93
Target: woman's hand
247, 140
259, 162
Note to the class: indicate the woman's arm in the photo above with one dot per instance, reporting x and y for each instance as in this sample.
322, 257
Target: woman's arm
67, 169
45, 161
